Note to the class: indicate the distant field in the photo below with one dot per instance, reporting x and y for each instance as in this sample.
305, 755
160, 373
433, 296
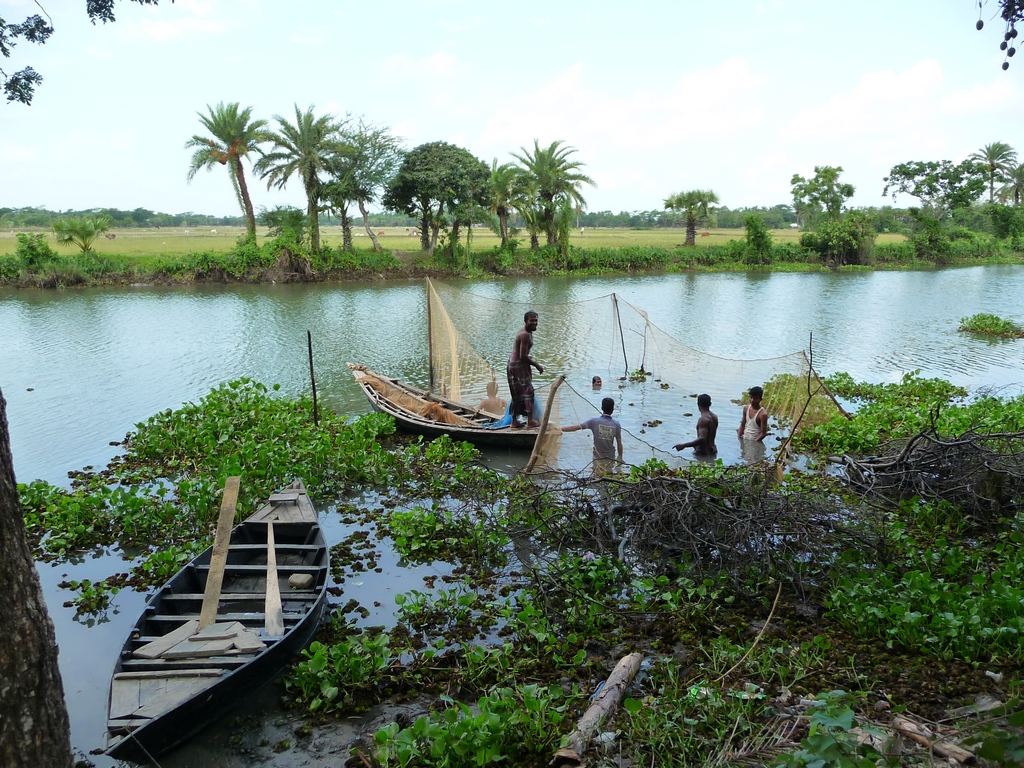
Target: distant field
178, 241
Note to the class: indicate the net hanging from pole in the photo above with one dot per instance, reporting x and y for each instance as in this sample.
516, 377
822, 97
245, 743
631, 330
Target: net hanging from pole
653, 377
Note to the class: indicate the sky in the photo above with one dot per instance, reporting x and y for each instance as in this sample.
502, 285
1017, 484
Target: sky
656, 97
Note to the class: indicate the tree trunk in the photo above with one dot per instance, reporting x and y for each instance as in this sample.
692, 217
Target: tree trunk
366, 223
425, 228
313, 213
548, 222
691, 230
34, 728
455, 234
435, 226
346, 230
534, 240
503, 225
243, 192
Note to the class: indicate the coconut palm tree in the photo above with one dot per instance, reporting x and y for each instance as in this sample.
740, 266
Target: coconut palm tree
1013, 186
233, 136
997, 159
80, 231
303, 149
556, 178
697, 206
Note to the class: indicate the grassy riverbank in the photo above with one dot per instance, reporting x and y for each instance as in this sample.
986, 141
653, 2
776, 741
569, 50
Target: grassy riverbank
187, 256
755, 601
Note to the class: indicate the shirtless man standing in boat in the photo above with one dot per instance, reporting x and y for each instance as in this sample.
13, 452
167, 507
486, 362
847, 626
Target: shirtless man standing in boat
520, 373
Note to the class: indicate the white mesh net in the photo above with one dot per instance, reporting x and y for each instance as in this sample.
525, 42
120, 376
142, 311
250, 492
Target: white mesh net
652, 377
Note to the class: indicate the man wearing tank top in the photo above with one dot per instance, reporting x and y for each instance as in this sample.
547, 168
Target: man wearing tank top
754, 424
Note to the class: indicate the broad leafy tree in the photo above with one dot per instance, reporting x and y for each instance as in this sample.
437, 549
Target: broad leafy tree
697, 206
822, 195
81, 231
302, 149
360, 172
20, 86
233, 135
997, 159
940, 186
435, 179
556, 178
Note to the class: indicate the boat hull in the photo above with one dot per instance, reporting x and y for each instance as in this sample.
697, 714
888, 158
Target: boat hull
300, 547
413, 423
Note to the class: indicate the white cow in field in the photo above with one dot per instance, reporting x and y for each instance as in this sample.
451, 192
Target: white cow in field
213, 231
186, 232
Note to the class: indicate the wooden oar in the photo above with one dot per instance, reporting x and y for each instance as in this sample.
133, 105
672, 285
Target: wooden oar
274, 622
219, 558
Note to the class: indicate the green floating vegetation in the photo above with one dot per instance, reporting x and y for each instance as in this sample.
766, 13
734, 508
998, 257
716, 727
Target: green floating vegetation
909, 601
991, 325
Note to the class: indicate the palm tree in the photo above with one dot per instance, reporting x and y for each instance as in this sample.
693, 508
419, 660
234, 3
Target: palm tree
508, 189
304, 149
233, 135
556, 178
1013, 187
80, 231
997, 159
697, 206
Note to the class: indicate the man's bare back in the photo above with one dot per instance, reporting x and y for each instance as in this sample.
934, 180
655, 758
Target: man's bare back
707, 430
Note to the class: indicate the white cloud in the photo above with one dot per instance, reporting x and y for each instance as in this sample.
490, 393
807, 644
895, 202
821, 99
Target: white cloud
998, 96
882, 104
99, 53
161, 30
566, 107
436, 64
10, 153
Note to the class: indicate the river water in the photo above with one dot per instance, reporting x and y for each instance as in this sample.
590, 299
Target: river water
80, 368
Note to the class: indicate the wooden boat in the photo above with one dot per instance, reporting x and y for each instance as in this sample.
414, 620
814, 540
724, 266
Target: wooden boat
423, 413
172, 678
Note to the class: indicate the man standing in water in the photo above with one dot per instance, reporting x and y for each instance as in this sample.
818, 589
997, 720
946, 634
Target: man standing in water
520, 375
754, 424
707, 428
607, 437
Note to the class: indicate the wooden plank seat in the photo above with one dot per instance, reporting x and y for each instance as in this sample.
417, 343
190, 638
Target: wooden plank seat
278, 547
294, 594
165, 665
262, 568
250, 616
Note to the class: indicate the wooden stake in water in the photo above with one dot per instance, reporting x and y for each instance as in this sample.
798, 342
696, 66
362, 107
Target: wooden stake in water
312, 378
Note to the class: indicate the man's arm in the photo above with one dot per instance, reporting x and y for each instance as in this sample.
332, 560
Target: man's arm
743, 422
702, 438
618, 439
762, 421
572, 428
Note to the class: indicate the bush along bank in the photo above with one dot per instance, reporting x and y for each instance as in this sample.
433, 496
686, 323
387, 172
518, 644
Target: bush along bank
34, 264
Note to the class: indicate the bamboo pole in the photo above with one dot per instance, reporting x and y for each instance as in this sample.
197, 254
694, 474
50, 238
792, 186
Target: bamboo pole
604, 704
535, 454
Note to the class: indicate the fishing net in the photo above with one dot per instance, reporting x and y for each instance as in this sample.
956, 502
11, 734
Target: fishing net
652, 377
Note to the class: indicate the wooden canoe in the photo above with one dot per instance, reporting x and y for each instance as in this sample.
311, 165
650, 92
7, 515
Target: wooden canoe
408, 404
172, 679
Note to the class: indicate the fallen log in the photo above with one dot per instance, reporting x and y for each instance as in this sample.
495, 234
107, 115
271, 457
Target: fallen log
923, 736
606, 701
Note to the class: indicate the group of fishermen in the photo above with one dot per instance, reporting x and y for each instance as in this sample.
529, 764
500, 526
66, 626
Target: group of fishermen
607, 431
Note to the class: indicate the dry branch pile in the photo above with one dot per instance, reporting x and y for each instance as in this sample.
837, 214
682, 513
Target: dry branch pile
980, 474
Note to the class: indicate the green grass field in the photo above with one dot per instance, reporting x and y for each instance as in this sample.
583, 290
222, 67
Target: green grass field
179, 241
